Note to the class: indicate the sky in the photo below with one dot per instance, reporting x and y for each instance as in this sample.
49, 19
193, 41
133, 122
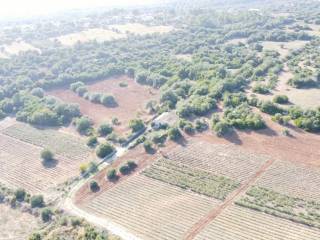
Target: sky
30, 8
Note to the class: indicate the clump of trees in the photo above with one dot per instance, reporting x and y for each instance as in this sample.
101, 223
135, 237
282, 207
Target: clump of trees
136, 125
47, 155
281, 99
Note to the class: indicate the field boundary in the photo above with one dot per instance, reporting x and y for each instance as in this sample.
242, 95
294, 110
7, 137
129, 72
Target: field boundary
199, 226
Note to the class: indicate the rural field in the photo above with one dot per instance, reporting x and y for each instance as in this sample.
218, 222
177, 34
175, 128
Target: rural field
15, 48
245, 224
100, 35
23, 167
152, 210
141, 29
14, 224
131, 101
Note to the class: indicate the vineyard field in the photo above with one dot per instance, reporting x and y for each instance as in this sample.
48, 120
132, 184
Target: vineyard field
21, 166
199, 181
238, 223
151, 209
221, 160
60, 143
295, 180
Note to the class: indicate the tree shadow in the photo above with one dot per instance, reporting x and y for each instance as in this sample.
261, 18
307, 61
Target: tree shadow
268, 132
233, 137
182, 141
50, 163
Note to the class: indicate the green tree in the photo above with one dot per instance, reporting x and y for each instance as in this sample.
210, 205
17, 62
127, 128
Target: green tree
104, 150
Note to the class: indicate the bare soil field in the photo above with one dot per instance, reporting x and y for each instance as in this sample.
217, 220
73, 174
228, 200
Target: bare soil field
131, 101
15, 48
300, 146
22, 167
15, 225
245, 224
283, 48
152, 210
98, 34
141, 29
236, 41
295, 180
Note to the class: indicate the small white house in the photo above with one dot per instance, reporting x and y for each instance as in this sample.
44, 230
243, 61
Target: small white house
165, 119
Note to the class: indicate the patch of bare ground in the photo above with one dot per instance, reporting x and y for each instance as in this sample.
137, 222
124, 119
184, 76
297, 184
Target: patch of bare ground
141, 29
185, 57
98, 34
300, 146
306, 98
14, 224
15, 48
131, 101
236, 41
283, 48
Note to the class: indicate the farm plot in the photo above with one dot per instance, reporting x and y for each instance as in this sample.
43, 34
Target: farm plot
15, 225
221, 160
183, 176
131, 101
98, 34
60, 143
295, 180
151, 209
245, 224
21, 167
280, 205
141, 29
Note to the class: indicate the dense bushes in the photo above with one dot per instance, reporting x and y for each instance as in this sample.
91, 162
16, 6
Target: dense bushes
136, 125
281, 99
104, 150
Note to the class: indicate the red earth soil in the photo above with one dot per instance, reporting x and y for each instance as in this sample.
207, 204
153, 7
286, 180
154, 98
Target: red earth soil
131, 101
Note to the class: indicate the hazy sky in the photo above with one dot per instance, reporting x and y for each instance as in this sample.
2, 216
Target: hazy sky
27, 8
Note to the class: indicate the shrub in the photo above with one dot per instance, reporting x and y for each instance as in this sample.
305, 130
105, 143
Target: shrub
94, 186
124, 169
148, 147
46, 214
95, 97
81, 91
159, 137
92, 167
111, 174
123, 84
221, 128
20, 194
75, 222
35, 236
270, 108
104, 150
37, 201
132, 165
105, 129
92, 141
136, 125
38, 92
76, 85
108, 101
281, 99
201, 125
83, 168
46, 155
260, 88
174, 134
83, 124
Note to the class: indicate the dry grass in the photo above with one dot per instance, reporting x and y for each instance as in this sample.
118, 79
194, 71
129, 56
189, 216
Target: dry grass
98, 34
244, 224
185, 57
15, 48
283, 48
15, 225
236, 41
152, 209
141, 29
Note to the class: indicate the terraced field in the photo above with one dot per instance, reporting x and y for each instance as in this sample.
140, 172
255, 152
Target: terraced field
295, 180
238, 223
21, 166
222, 160
60, 143
151, 209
